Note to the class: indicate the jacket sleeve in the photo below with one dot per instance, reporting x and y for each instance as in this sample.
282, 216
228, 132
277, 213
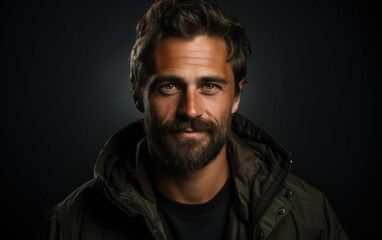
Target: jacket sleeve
50, 229
331, 226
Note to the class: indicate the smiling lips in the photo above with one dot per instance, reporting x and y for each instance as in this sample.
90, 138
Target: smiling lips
190, 133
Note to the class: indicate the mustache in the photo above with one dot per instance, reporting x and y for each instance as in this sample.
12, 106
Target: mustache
195, 124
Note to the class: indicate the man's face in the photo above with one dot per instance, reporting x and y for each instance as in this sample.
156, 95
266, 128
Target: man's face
188, 102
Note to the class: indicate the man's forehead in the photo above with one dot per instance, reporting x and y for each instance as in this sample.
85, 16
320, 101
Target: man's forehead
202, 45
202, 51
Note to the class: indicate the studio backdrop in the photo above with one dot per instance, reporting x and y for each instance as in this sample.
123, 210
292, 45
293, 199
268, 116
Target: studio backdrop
313, 83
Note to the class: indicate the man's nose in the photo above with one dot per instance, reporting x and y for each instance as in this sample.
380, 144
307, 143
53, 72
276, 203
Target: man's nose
190, 105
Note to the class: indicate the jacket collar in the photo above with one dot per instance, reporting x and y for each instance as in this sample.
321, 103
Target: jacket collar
259, 166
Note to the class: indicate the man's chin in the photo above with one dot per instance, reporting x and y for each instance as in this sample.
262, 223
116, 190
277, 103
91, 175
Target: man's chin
187, 154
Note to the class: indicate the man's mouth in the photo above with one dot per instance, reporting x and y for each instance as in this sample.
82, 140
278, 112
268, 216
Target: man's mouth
190, 133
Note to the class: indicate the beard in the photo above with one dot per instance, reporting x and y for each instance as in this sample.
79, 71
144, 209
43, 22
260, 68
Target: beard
186, 154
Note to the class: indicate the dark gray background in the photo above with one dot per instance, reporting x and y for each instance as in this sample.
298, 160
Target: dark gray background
313, 84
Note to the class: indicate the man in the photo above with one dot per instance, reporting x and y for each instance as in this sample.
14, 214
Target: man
192, 168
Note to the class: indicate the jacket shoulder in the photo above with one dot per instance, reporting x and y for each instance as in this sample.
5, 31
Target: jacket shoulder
66, 218
301, 188
301, 210
88, 213
307, 201
82, 196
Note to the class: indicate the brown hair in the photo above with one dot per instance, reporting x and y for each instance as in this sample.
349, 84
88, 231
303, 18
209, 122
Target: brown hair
185, 19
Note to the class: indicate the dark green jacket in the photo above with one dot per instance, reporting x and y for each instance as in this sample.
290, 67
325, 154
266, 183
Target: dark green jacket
269, 202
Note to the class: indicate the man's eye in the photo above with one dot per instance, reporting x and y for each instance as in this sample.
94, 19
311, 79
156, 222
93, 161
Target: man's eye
168, 89
210, 88
168, 86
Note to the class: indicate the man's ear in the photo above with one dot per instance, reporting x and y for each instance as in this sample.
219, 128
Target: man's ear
236, 100
138, 103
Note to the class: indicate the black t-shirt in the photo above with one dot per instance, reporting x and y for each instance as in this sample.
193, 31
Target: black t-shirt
201, 221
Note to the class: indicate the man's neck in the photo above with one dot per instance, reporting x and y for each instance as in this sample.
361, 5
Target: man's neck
192, 187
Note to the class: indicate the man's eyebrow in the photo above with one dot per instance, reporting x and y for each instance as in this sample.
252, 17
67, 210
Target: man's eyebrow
171, 78
213, 79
